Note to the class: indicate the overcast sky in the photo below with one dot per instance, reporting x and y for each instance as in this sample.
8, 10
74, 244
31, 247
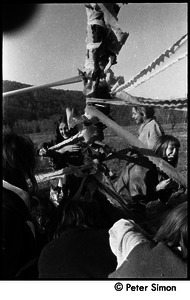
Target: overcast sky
51, 46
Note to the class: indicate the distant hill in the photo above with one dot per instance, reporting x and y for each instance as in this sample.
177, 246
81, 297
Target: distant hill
37, 105
47, 103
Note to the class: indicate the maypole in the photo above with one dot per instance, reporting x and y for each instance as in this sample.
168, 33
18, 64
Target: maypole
102, 88
103, 43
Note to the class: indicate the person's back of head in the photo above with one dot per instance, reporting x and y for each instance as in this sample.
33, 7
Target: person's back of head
146, 111
18, 160
174, 229
76, 214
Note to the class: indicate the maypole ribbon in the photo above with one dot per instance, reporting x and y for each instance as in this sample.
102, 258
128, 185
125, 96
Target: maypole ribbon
34, 88
171, 56
124, 98
62, 172
176, 104
91, 111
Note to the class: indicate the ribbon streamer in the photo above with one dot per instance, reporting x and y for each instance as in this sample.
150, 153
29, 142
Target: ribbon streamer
158, 65
34, 88
124, 98
135, 142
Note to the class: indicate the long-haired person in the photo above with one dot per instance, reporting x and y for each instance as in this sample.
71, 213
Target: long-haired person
70, 154
141, 182
19, 244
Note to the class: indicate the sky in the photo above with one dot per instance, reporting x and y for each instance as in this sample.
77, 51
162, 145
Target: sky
51, 46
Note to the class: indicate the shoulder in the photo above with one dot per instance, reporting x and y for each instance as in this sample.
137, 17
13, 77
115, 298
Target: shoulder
150, 260
125, 235
155, 124
152, 123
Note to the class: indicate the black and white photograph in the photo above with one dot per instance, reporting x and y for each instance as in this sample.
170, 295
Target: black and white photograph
94, 146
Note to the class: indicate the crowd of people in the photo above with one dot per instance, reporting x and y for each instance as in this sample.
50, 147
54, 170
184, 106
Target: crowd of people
83, 235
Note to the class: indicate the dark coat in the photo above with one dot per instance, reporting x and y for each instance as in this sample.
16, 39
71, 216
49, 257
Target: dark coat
150, 260
137, 186
19, 244
61, 160
80, 253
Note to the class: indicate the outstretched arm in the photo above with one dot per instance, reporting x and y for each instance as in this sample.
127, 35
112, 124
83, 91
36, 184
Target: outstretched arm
124, 236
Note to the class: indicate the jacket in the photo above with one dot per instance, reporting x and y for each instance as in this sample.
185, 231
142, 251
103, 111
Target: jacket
79, 253
137, 184
61, 160
149, 260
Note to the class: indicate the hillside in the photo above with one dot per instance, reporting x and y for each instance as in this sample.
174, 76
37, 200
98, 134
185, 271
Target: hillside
31, 111
40, 104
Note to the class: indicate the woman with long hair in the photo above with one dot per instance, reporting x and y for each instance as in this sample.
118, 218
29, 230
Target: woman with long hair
167, 147
141, 182
68, 153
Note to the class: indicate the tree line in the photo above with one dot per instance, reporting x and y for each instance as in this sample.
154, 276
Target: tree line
38, 111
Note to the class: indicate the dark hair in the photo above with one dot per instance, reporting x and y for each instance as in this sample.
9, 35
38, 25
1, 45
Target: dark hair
58, 136
75, 214
173, 230
19, 160
72, 131
162, 144
148, 111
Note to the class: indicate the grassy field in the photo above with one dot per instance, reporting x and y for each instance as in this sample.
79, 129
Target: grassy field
111, 139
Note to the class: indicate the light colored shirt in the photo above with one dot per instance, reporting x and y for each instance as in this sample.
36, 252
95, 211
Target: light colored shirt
123, 237
149, 132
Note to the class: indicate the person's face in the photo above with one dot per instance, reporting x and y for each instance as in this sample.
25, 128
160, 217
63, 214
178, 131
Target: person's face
64, 130
172, 152
137, 116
